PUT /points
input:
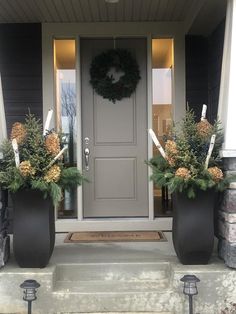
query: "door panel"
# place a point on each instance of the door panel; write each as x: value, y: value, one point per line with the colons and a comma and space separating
x: 109, y: 117
x: 117, y: 135
x: 123, y: 186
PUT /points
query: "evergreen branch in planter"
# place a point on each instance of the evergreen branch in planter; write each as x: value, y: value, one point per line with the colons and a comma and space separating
x: 192, y: 160
x: 41, y: 164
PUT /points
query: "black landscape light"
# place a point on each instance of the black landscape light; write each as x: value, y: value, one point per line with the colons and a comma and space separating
x: 30, y: 287
x: 190, y: 288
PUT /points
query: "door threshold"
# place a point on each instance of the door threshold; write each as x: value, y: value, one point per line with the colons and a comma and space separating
x: 66, y: 225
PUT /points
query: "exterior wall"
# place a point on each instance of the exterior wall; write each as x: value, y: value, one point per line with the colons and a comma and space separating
x: 196, y: 73
x: 203, y: 71
x: 215, y: 54
x: 21, y: 70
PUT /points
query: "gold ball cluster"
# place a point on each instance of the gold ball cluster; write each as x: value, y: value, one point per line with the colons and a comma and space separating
x: 52, y: 144
x: 18, y: 132
x: 53, y: 174
x: 26, y: 169
x: 204, y: 128
x: 183, y: 173
x: 171, y: 147
x: 216, y: 173
x: 171, y: 152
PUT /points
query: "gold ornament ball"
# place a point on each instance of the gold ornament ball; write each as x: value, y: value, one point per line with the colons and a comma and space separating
x: 216, y: 173
x: 52, y: 143
x: 53, y: 174
x: 171, y: 152
x: 183, y: 173
x: 204, y: 128
x: 18, y: 132
x: 171, y: 147
x: 26, y: 169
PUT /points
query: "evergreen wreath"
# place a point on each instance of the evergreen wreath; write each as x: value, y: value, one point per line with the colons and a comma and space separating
x: 104, y: 84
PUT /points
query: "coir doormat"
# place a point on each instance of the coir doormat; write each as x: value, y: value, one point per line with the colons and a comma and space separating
x: 115, y: 236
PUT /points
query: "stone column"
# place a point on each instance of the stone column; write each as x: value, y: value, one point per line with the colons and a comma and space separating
x: 227, y: 114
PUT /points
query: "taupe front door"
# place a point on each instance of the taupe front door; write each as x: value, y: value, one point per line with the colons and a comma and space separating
x: 116, y: 136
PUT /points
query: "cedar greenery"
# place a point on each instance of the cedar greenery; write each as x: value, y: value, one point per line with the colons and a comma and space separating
x: 184, y: 168
x: 35, y: 171
x: 104, y: 84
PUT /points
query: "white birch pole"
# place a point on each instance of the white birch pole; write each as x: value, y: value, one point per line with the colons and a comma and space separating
x: 57, y: 156
x: 16, y: 152
x: 157, y: 143
x: 212, y: 144
x: 204, y: 110
x: 48, y: 121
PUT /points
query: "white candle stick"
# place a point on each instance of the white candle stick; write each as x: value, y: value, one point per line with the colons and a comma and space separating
x: 212, y: 144
x: 57, y: 156
x: 16, y: 152
x: 48, y: 120
x: 157, y: 143
x: 204, y: 110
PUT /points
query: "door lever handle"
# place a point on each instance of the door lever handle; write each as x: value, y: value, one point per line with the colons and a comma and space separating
x: 86, y: 158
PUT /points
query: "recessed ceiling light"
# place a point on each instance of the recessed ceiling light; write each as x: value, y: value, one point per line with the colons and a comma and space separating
x: 112, y: 1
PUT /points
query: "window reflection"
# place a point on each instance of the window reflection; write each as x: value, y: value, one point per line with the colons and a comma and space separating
x: 65, y: 86
x: 162, y: 65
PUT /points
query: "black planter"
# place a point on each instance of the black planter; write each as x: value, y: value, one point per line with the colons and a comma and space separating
x: 33, y: 228
x: 193, y: 227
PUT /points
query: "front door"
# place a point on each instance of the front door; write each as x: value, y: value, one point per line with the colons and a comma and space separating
x: 116, y: 136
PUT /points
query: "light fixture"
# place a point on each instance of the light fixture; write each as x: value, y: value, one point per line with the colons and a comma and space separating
x: 112, y: 1
x: 29, y: 293
x: 190, y: 288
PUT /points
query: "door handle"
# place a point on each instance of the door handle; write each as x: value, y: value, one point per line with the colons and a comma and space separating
x: 86, y: 158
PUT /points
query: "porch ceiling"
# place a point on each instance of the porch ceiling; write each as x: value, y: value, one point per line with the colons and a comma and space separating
x: 52, y: 11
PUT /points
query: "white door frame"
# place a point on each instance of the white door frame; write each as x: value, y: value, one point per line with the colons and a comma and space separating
x: 149, y: 30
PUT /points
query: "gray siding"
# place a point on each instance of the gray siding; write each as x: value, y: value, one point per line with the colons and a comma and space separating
x: 196, y: 73
x: 21, y: 70
x: 203, y: 71
x: 215, y: 53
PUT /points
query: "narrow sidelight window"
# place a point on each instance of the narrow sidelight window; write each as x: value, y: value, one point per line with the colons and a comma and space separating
x: 162, y: 67
x: 65, y: 96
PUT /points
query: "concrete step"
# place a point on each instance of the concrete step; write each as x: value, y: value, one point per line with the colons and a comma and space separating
x: 112, y: 278
x: 114, y: 287
x: 117, y: 313
x: 113, y: 271
x: 110, y: 286
x: 96, y: 288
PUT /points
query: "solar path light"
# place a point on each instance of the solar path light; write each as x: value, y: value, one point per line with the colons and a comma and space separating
x: 29, y: 293
x: 190, y: 288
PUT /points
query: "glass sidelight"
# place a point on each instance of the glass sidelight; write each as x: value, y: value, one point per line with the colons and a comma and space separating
x: 65, y: 92
x: 162, y: 68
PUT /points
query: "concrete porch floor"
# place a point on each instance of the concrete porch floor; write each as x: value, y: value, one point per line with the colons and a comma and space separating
x: 117, y: 277
x: 112, y: 251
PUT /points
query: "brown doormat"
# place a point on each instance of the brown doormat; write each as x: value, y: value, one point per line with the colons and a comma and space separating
x: 115, y: 236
